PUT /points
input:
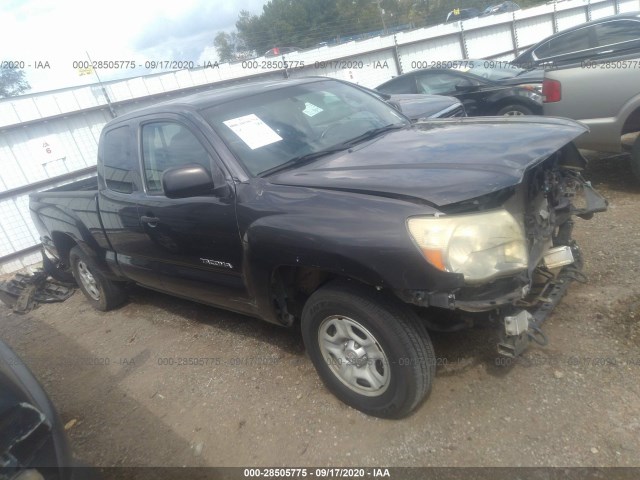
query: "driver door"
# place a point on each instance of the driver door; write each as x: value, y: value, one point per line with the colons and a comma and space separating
x: 192, y: 245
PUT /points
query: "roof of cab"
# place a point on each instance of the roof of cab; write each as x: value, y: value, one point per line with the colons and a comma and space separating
x: 217, y: 96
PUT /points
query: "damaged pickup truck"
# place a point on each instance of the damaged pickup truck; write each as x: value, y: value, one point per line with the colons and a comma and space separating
x: 311, y: 201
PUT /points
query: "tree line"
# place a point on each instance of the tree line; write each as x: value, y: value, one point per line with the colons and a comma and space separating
x: 307, y: 23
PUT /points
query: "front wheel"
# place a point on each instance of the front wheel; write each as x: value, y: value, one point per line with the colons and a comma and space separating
x: 102, y: 293
x: 370, y: 351
x: 514, y: 110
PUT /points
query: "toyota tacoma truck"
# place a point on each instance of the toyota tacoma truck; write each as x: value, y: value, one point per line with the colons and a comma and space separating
x: 313, y: 202
x: 602, y: 93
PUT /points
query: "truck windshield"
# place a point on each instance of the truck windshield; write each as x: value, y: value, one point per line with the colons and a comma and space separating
x: 276, y: 128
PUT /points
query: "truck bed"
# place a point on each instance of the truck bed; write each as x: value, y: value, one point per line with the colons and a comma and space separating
x: 70, y: 209
x: 81, y: 186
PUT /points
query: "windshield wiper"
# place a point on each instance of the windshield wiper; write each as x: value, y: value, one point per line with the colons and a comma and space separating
x: 295, y: 161
x: 374, y: 132
x: 302, y: 159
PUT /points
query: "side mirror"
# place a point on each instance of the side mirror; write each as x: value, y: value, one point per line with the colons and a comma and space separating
x: 187, y: 181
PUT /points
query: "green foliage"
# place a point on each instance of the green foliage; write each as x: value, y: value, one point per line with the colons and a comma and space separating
x: 291, y: 23
x: 305, y: 23
x: 222, y: 42
x: 229, y: 46
x: 12, y: 82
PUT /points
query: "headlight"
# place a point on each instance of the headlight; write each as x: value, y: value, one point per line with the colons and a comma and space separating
x: 480, y: 246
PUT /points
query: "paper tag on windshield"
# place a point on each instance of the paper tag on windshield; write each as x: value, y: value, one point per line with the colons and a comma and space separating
x: 310, y: 109
x: 253, y: 131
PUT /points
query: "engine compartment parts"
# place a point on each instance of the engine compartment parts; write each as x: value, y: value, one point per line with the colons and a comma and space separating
x: 25, y: 291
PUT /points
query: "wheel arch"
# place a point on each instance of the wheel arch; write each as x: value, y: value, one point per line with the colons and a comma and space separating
x: 632, y: 123
x: 290, y: 286
x: 500, y: 104
x: 63, y: 242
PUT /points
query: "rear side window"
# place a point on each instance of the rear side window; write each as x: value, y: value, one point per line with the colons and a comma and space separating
x: 620, y: 31
x: 118, y: 161
x: 166, y: 145
x: 571, y: 42
x: 399, y: 85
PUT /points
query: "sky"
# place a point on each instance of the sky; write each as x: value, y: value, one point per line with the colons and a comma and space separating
x: 63, y: 31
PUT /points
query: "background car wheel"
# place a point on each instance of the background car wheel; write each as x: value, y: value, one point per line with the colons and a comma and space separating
x: 515, y: 109
x: 57, y: 270
x: 371, y: 351
x: 102, y: 293
x: 635, y: 158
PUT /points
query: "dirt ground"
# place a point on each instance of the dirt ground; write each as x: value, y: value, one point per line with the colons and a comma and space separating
x: 259, y: 401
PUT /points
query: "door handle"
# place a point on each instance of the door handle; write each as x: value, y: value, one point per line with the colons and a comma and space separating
x: 151, y: 221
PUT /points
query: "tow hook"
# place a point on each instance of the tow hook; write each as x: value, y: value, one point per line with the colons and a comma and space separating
x: 519, y: 330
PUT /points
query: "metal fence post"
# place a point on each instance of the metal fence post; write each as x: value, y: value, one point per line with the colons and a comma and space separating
x: 588, y: 10
x: 396, y: 55
x: 463, y: 42
x: 514, y: 34
x: 555, y: 16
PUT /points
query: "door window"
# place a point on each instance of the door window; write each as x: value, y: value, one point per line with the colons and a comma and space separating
x: 571, y: 42
x: 166, y: 145
x: 620, y: 31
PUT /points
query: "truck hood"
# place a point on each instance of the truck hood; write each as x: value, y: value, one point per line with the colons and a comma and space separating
x: 440, y: 161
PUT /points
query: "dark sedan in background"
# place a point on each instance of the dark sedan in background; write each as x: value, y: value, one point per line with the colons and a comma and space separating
x: 503, y: 72
x: 480, y: 96
x: 599, y: 38
x: 33, y: 444
x: 503, y: 7
x: 418, y: 107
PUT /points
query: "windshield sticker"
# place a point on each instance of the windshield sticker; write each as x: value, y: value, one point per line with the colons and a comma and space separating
x: 310, y: 109
x: 253, y: 131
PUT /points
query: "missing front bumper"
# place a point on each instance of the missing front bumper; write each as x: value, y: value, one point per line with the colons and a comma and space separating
x: 524, y: 326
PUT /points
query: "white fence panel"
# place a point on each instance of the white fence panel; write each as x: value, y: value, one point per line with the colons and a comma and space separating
x: 532, y: 30
x: 489, y: 41
x: 419, y: 55
x: 628, y: 6
x: 86, y: 97
x: 600, y: 10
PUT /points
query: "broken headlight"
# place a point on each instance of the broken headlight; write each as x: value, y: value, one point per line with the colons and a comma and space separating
x: 480, y: 246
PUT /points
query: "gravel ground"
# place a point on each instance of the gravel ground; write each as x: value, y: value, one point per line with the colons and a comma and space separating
x: 259, y: 401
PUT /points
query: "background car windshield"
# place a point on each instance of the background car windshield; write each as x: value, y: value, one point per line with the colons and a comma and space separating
x: 272, y: 128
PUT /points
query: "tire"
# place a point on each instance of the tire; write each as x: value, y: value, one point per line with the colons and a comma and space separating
x: 514, y: 109
x: 102, y: 293
x: 57, y: 270
x: 635, y: 158
x: 337, y: 317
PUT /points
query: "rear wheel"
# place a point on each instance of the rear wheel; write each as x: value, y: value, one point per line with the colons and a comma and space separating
x: 370, y: 351
x: 102, y: 293
x: 514, y: 110
x: 635, y: 158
